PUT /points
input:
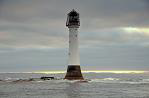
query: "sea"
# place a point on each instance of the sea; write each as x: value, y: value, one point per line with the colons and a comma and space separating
x: 96, y: 85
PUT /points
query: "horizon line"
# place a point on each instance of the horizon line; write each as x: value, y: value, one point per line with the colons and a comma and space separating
x: 85, y: 71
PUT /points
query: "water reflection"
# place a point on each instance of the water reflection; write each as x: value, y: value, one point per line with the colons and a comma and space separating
x: 73, y: 90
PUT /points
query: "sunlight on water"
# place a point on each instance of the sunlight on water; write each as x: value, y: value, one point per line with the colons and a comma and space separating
x: 92, y: 71
x: 112, y: 71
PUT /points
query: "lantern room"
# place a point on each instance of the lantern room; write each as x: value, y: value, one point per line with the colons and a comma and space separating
x: 73, y: 19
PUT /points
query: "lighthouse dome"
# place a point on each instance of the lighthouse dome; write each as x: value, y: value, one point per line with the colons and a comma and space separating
x: 73, y: 13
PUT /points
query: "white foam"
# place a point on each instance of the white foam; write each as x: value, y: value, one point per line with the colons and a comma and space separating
x: 117, y: 80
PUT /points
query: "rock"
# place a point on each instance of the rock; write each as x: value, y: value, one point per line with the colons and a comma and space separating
x: 47, y: 78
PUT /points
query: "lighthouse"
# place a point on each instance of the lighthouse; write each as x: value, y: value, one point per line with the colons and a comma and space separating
x: 73, y: 70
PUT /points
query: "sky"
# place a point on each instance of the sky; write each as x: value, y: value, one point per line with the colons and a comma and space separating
x: 114, y: 34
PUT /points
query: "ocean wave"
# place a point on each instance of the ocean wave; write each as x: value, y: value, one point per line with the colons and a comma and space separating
x: 97, y: 80
x: 119, y: 80
x: 145, y: 80
x: 105, y: 80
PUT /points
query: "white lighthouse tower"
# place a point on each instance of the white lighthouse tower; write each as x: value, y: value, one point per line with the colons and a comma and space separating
x: 73, y: 70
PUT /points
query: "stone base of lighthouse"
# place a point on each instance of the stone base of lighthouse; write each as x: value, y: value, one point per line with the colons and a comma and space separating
x: 74, y: 73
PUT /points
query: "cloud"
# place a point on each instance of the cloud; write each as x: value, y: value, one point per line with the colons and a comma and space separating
x: 116, y: 36
x: 30, y: 28
x: 141, y: 31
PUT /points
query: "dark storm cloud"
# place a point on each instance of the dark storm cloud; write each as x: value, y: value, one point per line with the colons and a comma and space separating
x: 47, y: 17
x: 147, y: 3
x: 118, y: 12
